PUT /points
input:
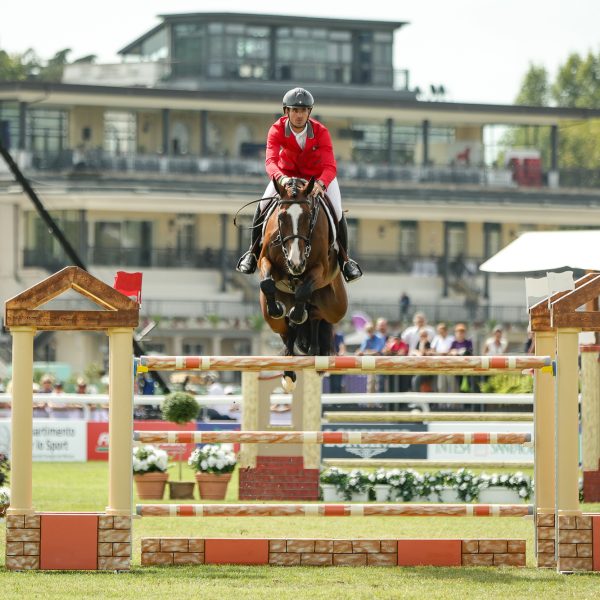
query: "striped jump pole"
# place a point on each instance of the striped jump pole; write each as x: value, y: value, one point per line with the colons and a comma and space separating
x: 408, y: 417
x: 349, y: 364
x: 329, y: 437
x: 334, y: 510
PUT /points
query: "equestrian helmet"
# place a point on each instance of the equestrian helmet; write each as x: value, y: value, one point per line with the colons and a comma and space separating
x: 298, y: 97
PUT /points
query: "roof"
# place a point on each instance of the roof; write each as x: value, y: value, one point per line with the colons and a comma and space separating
x: 263, y: 97
x: 548, y: 251
x: 264, y: 19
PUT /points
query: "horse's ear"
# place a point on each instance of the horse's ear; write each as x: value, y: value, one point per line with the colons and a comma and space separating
x: 280, y: 190
x: 310, y: 186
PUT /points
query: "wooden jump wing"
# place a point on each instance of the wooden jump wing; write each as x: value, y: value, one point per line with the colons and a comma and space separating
x: 564, y: 311
x: 118, y: 310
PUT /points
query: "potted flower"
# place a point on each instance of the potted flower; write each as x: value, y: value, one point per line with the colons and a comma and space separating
x: 357, y: 486
x: 213, y: 464
x: 333, y: 484
x: 150, y: 471
x: 380, y: 483
x: 496, y: 489
x: 181, y: 408
x: 404, y: 484
x: 431, y: 486
x: 4, y: 491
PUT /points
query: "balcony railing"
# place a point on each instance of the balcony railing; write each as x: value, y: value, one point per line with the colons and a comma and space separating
x: 459, y: 174
x: 208, y: 258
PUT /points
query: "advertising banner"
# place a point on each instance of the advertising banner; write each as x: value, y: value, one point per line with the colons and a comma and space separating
x: 383, y: 451
x: 59, y: 440
x: 97, y: 446
x: 481, y: 452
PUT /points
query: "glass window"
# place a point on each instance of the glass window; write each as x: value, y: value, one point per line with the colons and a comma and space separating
x: 120, y: 132
x: 457, y: 239
x: 188, y: 49
x: 408, y: 238
x: 122, y: 242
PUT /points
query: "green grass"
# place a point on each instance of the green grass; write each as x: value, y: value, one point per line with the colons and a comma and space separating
x: 84, y: 487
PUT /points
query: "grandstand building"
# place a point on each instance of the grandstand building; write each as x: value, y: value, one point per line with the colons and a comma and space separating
x: 144, y: 164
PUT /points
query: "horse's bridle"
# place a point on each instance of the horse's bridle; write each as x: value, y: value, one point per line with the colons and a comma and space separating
x: 314, y: 214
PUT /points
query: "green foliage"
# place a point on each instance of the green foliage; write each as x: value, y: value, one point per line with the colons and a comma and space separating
x: 28, y: 66
x: 576, y: 85
x: 508, y: 384
x: 4, y: 469
x: 180, y: 408
x: 535, y: 87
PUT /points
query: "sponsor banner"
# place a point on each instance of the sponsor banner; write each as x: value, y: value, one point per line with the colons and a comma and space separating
x: 382, y: 451
x: 482, y: 452
x: 97, y: 446
x: 59, y: 440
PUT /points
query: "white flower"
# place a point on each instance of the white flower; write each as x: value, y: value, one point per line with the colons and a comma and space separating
x: 204, y: 465
x: 4, y: 495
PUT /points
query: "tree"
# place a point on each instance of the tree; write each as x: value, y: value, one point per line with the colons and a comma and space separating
x: 535, y: 87
x: 577, y: 85
x: 28, y: 66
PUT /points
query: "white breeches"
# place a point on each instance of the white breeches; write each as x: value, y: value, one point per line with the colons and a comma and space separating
x: 333, y: 191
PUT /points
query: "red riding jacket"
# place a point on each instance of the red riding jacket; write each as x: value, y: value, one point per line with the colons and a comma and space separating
x: 286, y: 158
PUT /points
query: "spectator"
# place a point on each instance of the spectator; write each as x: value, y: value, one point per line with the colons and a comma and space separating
x: 422, y: 383
x: 382, y: 328
x: 339, y: 349
x: 41, y: 410
x: 529, y: 346
x: 395, y: 346
x: 462, y: 346
x: 404, y: 306
x: 441, y: 344
x: 411, y: 334
x: 217, y: 412
x: 372, y: 345
x: 496, y: 344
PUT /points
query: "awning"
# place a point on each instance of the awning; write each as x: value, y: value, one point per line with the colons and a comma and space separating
x: 548, y: 251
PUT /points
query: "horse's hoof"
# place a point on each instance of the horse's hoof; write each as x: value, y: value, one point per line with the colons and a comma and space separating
x: 297, y: 320
x: 279, y: 313
x: 288, y: 384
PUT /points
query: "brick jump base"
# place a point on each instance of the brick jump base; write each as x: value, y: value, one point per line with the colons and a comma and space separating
x: 326, y: 553
x: 65, y: 541
x: 578, y: 542
x: 279, y: 478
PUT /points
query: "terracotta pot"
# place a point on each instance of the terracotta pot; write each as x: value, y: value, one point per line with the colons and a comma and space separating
x: 181, y: 490
x: 212, y: 486
x: 151, y: 486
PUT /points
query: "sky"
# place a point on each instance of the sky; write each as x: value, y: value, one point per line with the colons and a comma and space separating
x: 479, y: 50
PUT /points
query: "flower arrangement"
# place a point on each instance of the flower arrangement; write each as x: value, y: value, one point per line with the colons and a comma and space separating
x: 521, y: 484
x: 404, y: 484
x: 346, y: 484
x: 432, y: 484
x: 466, y: 484
x: 4, y: 496
x: 356, y: 483
x: 149, y: 459
x: 213, y: 458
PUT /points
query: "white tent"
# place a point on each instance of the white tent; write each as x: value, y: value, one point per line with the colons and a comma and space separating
x: 548, y: 251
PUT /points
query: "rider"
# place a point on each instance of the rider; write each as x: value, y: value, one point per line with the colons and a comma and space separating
x: 307, y: 153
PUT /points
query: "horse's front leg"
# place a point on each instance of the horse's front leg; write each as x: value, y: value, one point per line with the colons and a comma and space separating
x: 315, y: 348
x: 275, y: 308
x: 299, y: 313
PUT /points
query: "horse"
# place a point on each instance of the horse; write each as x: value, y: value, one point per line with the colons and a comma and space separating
x: 302, y: 292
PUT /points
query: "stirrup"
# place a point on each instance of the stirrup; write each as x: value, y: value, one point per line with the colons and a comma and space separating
x: 351, y: 271
x: 247, y: 263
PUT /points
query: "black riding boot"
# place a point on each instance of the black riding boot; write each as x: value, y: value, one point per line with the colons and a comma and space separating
x: 350, y: 269
x: 247, y: 264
